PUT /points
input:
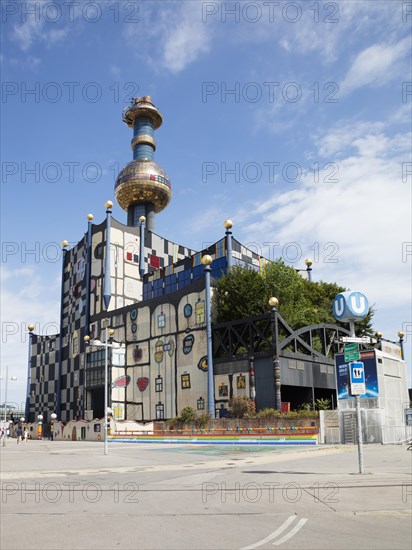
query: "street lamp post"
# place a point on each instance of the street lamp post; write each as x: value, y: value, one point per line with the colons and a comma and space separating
x: 206, y: 261
x: 106, y: 346
x: 273, y: 302
x: 308, y: 263
x: 228, y: 224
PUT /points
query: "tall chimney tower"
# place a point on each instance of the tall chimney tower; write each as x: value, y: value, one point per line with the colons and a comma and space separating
x: 142, y: 187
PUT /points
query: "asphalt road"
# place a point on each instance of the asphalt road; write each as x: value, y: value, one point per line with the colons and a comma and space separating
x: 64, y: 495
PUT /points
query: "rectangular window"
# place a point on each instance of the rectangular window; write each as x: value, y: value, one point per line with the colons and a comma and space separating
x: 185, y: 381
x: 160, y: 411
x: 159, y: 384
x: 117, y: 320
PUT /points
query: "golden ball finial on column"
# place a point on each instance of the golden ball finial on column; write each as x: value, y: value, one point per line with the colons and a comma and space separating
x: 90, y: 217
x: 273, y: 302
x: 65, y: 244
x: 108, y: 205
x: 228, y: 224
x: 30, y: 327
x: 308, y: 262
x: 142, y: 219
x: 206, y: 259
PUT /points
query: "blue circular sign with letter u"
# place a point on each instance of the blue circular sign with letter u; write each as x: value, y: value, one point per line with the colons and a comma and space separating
x: 350, y: 306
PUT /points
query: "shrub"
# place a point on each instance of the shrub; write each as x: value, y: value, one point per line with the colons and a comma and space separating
x: 173, y: 423
x: 293, y: 414
x: 268, y: 414
x: 323, y: 404
x: 187, y: 415
x: 242, y: 407
x: 203, y: 419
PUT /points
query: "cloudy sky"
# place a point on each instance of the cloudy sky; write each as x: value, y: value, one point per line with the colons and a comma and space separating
x: 291, y: 118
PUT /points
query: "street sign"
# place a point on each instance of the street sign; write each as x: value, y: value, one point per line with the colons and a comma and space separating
x: 358, y: 340
x: 351, y: 352
x: 357, y: 378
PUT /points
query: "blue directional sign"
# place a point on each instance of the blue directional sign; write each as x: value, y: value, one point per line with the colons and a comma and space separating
x: 357, y: 372
x: 357, y: 378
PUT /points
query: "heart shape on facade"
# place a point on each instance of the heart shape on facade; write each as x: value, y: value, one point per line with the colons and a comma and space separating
x: 142, y: 383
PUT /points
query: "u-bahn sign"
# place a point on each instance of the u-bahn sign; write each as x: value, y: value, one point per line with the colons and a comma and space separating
x: 350, y: 306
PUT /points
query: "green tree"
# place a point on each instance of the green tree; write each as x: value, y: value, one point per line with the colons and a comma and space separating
x: 239, y: 294
x: 244, y: 292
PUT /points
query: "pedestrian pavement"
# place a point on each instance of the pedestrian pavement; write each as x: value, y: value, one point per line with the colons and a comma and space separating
x: 155, y: 496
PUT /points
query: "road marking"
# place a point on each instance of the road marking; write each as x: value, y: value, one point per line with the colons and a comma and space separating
x: 272, y: 536
x: 291, y: 533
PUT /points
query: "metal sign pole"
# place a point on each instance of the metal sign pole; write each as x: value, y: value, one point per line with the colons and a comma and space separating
x: 358, y: 418
x: 359, y: 430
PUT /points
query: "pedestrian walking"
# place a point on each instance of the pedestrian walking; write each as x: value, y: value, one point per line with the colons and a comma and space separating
x: 25, y: 434
x: 19, y: 434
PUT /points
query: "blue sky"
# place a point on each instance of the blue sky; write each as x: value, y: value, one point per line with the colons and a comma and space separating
x: 291, y: 118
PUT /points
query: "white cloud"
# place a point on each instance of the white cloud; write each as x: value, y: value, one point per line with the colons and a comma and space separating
x: 174, y: 35
x: 35, y: 28
x: 377, y: 65
x: 187, y: 40
x: 27, y: 32
x: 337, y: 141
